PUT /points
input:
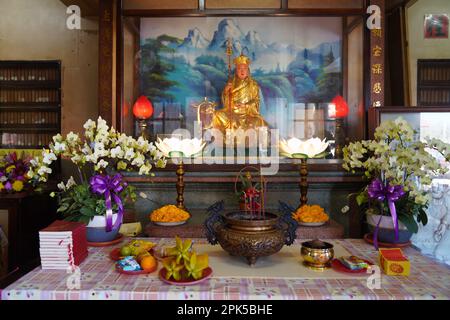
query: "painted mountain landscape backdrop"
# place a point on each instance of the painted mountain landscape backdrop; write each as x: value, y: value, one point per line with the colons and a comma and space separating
x: 184, y: 62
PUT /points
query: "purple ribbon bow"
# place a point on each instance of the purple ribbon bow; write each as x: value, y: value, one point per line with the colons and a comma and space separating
x: 377, y: 190
x: 110, y: 187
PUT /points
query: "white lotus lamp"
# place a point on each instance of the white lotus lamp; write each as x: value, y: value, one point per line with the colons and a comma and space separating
x: 176, y: 147
x: 313, y: 148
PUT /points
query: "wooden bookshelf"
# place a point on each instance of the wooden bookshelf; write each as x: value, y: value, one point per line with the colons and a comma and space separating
x: 433, y: 82
x: 30, y: 103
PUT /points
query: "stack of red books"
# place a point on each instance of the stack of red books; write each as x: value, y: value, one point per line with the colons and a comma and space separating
x: 63, y: 245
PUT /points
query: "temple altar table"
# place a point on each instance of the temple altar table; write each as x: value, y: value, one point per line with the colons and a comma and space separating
x: 99, y: 280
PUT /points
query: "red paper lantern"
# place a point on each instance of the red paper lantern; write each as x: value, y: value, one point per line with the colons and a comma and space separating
x: 341, y: 108
x: 143, y: 108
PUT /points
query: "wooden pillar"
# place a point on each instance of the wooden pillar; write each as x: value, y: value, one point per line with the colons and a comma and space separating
x: 119, y: 66
x: 377, y: 53
x: 105, y: 60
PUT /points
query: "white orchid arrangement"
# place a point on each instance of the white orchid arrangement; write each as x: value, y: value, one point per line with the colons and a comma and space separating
x: 102, y: 149
x: 395, y: 157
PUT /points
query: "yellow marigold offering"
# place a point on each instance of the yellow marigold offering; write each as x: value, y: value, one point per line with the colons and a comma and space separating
x: 169, y: 213
x: 310, y: 214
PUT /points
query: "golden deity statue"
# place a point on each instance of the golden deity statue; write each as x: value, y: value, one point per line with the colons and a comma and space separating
x: 240, y: 100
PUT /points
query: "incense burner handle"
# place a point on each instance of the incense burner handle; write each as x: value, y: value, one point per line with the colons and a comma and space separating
x: 213, y: 219
x: 286, y: 218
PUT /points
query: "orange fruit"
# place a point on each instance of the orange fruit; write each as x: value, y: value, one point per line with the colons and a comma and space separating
x: 148, y: 262
x: 142, y: 255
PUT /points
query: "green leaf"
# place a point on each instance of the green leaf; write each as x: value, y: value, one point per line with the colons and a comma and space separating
x: 85, y: 219
x: 422, y: 217
x: 409, y: 221
x: 62, y: 208
x: 87, y: 211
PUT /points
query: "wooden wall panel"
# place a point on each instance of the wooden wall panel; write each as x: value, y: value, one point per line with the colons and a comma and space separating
x: 325, y: 4
x: 158, y: 4
x: 242, y: 4
x: 105, y: 59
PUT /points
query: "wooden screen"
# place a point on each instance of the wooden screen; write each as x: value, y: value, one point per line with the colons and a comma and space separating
x: 30, y: 103
x: 433, y: 83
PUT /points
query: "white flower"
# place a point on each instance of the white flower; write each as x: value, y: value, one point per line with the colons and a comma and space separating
x: 143, y: 144
x: 102, y: 125
x: 60, y: 146
x: 70, y: 183
x: 102, y: 164
x: 145, y: 169
x: 102, y: 137
x: 345, y: 209
x: 310, y: 148
x: 44, y: 170
x: 77, y: 159
x: 57, y: 138
x: 129, y: 154
x: 91, y: 158
x: 122, y: 139
x: 173, y: 146
x: 99, y: 150
x: 34, y: 162
x: 89, y: 125
x: 61, y: 186
x: 72, y: 137
x: 151, y: 148
x: 117, y: 152
x: 138, y: 160
x: 86, y: 149
x: 49, y: 157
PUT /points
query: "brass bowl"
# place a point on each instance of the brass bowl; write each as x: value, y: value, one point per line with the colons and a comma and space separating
x: 317, y: 254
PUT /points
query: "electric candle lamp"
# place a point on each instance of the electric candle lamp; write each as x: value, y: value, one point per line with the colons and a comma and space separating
x: 142, y: 110
x: 338, y: 110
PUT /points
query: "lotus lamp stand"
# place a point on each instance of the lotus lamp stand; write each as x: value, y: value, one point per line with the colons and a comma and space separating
x: 303, y: 182
x: 180, y: 185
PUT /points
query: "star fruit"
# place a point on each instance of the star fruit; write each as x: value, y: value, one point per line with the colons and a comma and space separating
x: 196, y: 264
x: 172, y: 268
x: 181, y: 250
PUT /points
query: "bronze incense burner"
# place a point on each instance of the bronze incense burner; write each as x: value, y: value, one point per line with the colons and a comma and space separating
x: 249, y: 236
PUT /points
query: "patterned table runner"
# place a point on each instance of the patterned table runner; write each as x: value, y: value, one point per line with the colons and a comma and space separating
x: 285, y: 264
x: 98, y: 280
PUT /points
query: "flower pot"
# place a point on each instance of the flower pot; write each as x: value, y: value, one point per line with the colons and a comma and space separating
x: 96, y: 230
x: 386, y: 231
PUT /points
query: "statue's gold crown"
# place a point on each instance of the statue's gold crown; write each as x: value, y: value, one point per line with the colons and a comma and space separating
x: 242, y: 60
